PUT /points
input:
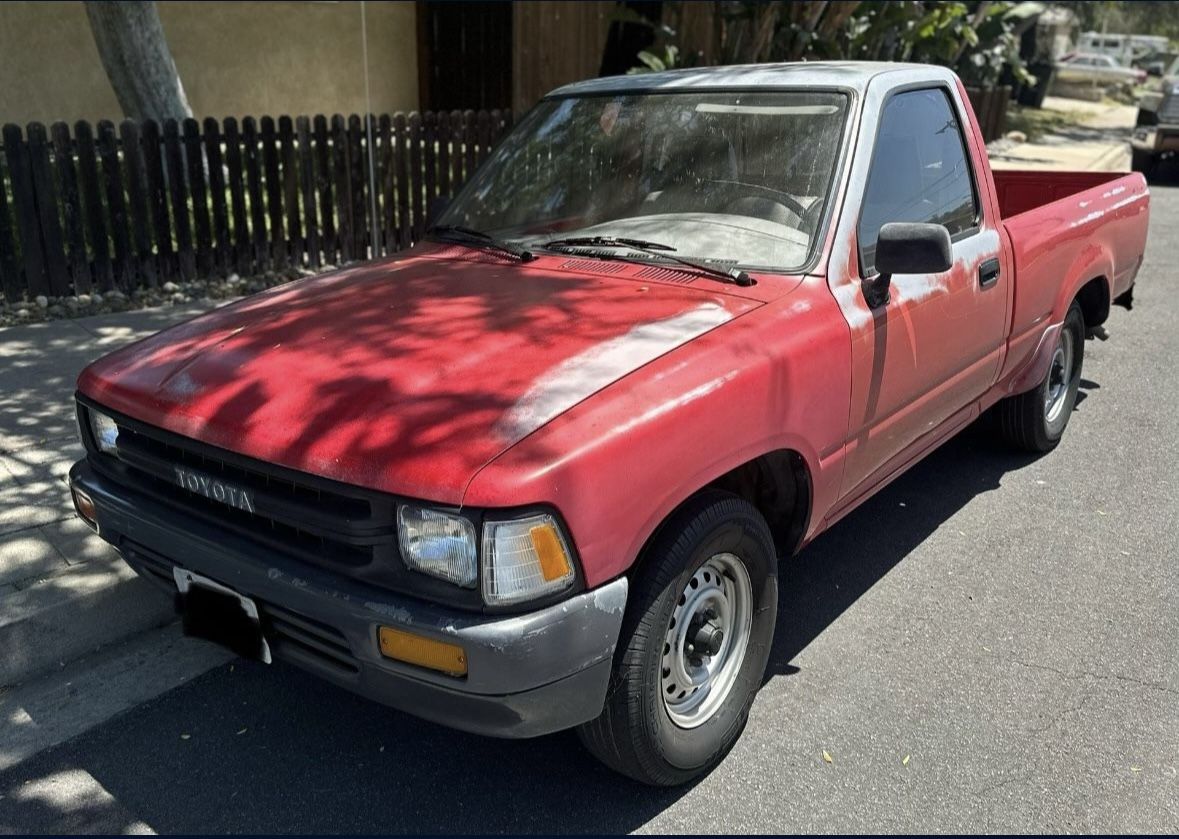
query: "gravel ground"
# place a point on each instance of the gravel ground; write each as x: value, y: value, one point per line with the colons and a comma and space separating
x: 42, y: 308
x: 990, y: 644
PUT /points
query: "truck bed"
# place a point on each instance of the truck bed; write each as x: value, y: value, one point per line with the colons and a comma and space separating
x: 1020, y: 190
x: 1068, y: 228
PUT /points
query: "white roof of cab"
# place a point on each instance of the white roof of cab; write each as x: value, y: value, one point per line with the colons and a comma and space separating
x: 847, y: 74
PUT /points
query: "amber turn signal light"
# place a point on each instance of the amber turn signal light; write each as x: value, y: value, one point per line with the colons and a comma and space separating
x: 414, y: 649
x: 84, y: 504
x: 550, y: 553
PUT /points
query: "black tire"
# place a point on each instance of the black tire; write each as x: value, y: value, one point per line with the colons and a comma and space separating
x: 635, y: 734
x: 1025, y: 420
x: 1142, y: 161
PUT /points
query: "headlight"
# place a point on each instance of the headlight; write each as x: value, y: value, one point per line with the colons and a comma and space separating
x: 436, y: 543
x: 105, y: 431
x: 524, y: 559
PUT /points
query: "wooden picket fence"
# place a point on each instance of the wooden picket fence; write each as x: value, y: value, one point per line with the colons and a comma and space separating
x: 105, y: 208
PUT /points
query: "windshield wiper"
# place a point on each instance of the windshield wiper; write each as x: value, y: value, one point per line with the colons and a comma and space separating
x: 456, y: 232
x: 731, y: 275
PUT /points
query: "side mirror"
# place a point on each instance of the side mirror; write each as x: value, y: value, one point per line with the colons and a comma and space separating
x: 907, y: 248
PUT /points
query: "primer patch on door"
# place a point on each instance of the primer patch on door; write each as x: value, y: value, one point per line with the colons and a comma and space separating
x: 584, y: 374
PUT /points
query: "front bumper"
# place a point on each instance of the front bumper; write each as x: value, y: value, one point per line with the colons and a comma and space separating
x: 527, y: 675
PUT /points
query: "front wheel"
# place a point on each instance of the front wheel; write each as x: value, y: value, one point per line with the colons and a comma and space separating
x: 694, y: 644
x: 1035, y: 421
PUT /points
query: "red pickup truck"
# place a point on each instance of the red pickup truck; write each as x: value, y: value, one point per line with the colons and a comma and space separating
x: 538, y: 471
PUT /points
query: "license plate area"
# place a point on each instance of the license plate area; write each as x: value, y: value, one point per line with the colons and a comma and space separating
x: 217, y: 613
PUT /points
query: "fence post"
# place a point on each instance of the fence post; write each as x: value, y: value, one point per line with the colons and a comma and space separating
x: 430, y: 150
x: 157, y: 199
x: 356, y: 179
x: 100, y: 268
x: 194, y: 158
x: 178, y: 190
x: 222, y: 258
x: 343, y: 189
x: 116, y: 204
x: 306, y: 179
x: 401, y: 169
x: 237, y: 197
x: 10, y: 279
x: 71, y: 207
x: 290, y: 185
x: 323, y: 181
x: 254, y: 180
x: 387, y: 183
x: 137, y: 199
x: 443, y: 165
x: 278, y: 248
x: 48, y: 217
x: 25, y: 205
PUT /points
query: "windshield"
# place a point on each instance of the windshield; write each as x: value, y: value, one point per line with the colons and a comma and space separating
x: 738, y: 178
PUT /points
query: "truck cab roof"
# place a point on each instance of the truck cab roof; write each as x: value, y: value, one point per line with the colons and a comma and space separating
x: 854, y: 75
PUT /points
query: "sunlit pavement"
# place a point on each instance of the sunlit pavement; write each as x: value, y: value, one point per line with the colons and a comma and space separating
x: 991, y: 644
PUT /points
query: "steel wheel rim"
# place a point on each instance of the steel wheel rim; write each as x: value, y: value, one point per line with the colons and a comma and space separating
x: 1059, y: 378
x: 693, y: 684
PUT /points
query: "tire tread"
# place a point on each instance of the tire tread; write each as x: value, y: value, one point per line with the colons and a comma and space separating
x: 612, y: 736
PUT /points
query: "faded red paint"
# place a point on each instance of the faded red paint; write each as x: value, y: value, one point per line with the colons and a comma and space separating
x: 422, y: 375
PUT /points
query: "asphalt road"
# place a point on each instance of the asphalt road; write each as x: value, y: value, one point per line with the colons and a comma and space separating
x: 991, y: 644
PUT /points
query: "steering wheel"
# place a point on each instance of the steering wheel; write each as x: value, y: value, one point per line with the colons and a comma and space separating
x: 786, y: 198
x: 810, y: 219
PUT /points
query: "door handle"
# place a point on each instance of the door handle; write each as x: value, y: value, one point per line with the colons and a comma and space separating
x: 988, y: 273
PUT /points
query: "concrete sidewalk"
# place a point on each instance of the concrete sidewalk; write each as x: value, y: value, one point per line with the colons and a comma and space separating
x: 1098, y: 142
x: 63, y: 591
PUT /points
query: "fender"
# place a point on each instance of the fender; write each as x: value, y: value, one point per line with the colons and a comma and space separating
x: 1094, y: 262
x: 693, y: 483
x: 1036, y: 368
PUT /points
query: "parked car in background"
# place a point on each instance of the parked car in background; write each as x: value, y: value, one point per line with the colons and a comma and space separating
x: 538, y: 471
x: 1156, y: 63
x: 1124, y: 49
x: 1102, y: 70
x: 1157, y: 132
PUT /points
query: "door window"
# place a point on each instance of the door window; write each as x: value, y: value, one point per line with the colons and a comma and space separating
x: 919, y: 171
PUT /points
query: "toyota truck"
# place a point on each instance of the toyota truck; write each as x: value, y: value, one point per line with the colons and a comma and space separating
x: 538, y: 471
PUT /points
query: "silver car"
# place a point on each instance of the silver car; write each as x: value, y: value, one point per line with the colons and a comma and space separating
x: 1096, y: 69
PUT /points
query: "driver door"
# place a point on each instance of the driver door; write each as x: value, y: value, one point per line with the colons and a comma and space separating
x: 935, y: 347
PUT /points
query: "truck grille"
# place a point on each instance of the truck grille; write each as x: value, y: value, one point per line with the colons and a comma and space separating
x: 312, y: 519
x: 291, y: 515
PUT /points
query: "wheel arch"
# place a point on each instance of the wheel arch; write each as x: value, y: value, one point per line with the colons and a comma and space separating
x: 1094, y: 299
x: 777, y: 482
x: 1089, y: 282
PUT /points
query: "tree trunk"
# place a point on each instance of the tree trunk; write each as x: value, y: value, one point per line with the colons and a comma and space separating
x: 138, y: 62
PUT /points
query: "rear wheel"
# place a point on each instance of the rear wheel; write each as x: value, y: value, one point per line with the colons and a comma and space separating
x: 694, y: 644
x: 1035, y: 421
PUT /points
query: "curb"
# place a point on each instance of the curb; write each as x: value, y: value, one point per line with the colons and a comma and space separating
x: 62, y: 617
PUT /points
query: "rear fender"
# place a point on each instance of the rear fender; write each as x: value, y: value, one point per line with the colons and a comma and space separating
x: 1094, y: 262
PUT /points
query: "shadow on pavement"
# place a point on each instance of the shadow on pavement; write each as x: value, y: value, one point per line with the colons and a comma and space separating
x: 247, y: 748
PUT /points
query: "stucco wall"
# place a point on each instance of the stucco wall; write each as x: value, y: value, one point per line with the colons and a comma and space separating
x: 234, y: 58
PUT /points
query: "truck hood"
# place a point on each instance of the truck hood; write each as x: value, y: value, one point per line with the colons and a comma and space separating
x: 405, y: 376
